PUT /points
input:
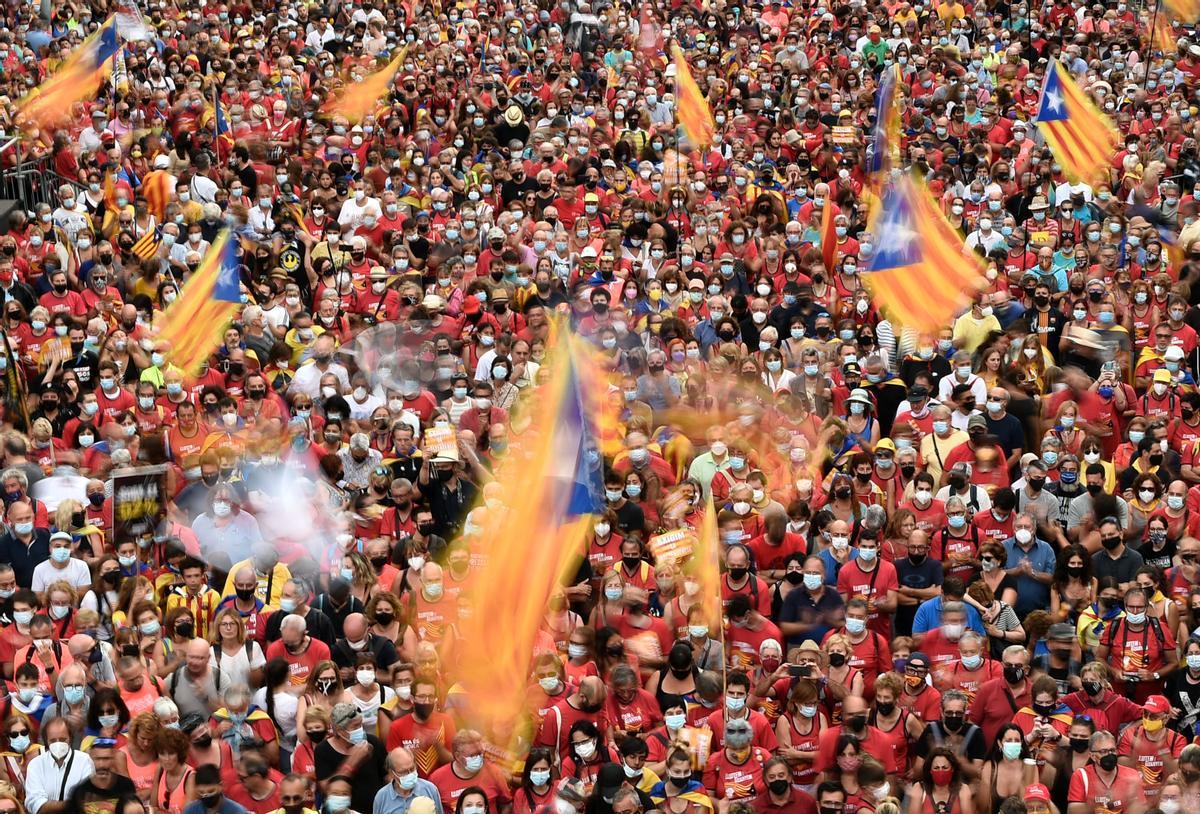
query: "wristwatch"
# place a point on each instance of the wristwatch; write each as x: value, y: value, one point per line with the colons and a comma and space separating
x: 1157, y: 677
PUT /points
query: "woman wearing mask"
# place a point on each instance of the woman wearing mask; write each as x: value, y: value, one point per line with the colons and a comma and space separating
x: 1058, y: 771
x: 1073, y: 587
x: 324, y: 690
x: 798, y: 732
x: 588, y: 752
x: 609, y: 608
x: 1150, y: 579
x: 678, y: 677
x: 992, y: 558
x: 386, y: 615
x: 20, y: 748
x: 942, y: 788
x: 536, y: 789
x: 1183, y: 688
x: 1147, y: 501
x: 311, y: 729
x: 240, y: 657
x: 370, y: 695
x: 898, y: 724
x: 1005, y: 772
x: 842, y: 679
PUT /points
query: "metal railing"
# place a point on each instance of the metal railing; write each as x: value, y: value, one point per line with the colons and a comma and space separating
x: 33, y: 181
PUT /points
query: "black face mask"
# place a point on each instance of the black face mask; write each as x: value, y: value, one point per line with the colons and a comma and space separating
x: 212, y: 801
x: 957, y: 482
x: 863, y: 477
x: 203, y: 742
x: 631, y: 563
x: 737, y: 574
x: 1036, y: 483
x: 918, y: 559
x: 1043, y: 709
x: 111, y: 577
x: 1110, y: 543
x: 837, y: 659
x: 245, y: 594
x: 953, y: 723
x: 185, y: 629
x: 908, y: 470
x: 1095, y: 488
x: 842, y: 493
x: 779, y: 787
x: 425, y: 529
x: 1108, y: 762
x: 1014, y: 674
x: 422, y: 710
x: 857, y: 723
x: 794, y: 577
x: 1080, y: 745
x: 316, y: 736
x: 885, y: 707
x: 1092, y: 687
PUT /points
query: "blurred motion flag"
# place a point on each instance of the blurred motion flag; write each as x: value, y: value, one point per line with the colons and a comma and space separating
x: 1083, y: 139
x: 885, y: 140
x: 705, y: 567
x: 691, y: 107
x: 79, y: 78
x: 828, y: 236
x: 359, y: 99
x: 921, y: 275
x: 196, y: 321
x: 1186, y: 11
x: 1163, y: 38
x: 222, y: 121
x: 551, y: 484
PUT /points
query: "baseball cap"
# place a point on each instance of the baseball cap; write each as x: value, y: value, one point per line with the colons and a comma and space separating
x: 1037, y: 792
x: 1157, y: 705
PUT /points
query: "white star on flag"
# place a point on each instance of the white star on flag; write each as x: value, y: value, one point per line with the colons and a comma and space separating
x: 1054, y: 101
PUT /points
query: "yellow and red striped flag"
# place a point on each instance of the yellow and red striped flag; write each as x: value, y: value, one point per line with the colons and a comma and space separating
x: 147, y: 245
x: 1082, y: 138
x: 828, y: 236
x: 921, y: 274
x: 79, y: 77
x: 1163, y: 37
x: 358, y: 100
x: 695, y: 117
x: 196, y: 322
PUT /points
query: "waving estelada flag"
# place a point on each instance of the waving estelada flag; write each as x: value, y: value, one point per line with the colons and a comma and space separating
x: 1083, y: 139
x: 695, y: 116
x: 80, y: 76
x: 921, y: 275
x: 358, y: 100
x: 885, y: 140
x: 196, y: 321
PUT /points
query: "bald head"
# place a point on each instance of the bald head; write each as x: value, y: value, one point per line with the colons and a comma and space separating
x: 355, y: 627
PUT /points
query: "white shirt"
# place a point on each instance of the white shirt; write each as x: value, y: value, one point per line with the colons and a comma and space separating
x: 44, y: 778
x: 204, y: 190
x: 76, y: 573
x: 352, y: 212
x: 308, y: 378
x: 261, y: 222
x: 947, y: 384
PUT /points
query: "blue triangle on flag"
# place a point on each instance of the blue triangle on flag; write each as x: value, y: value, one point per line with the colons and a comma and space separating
x: 897, y: 240
x: 1053, y: 105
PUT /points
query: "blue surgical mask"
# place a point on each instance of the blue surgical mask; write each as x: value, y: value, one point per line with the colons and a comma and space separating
x: 73, y: 695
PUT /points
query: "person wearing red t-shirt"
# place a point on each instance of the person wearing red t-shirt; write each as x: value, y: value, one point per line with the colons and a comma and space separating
x: 60, y: 299
x: 781, y: 797
x: 631, y: 711
x: 738, y: 581
x: 772, y: 548
x: 1104, y: 784
x: 928, y: 512
x: 999, y: 699
x: 301, y: 651
x: 870, y: 652
x: 426, y: 733
x: 919, y: 696
x: 996, y: 523
x: 736, y: 707
x: 748, y: 629
x: 1138, y: 649
x: 1151, y: 747
x: 969, y: 670
x: 585, y: 704
x: 469, y: 768
x: 735, y: 773
x: 646, y: 636
x: 113, y: 398
x: 432, y: 611
x: 874, y: 581
x: 871, y: 741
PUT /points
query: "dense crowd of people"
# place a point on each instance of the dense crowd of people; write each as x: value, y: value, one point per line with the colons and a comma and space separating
x: 958, y: 563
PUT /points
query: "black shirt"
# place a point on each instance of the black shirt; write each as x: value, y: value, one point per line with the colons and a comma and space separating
x: 368, y: 778
x: 449, y: 506
x: 1008, y: 431
x: 87, y: 368
x: 25, y: 558
x: 346, y: 656
x: 88, y: 798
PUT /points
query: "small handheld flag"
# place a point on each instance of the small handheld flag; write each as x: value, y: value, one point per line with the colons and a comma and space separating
x: 1083, y: 139
x: 921, y: 275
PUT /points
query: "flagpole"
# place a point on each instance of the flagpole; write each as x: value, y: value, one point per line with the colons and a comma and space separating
x: 1153, y: 24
